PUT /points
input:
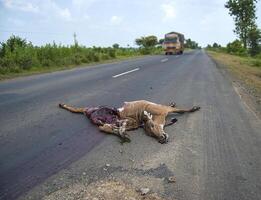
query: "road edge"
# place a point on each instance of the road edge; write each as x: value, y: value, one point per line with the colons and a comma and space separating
x: 240, y: 88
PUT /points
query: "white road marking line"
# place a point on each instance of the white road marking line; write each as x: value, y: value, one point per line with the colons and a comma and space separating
x: 164, y: 60
x: 136, y: 69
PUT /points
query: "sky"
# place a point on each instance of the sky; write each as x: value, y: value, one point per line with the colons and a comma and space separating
x: 105, y: 22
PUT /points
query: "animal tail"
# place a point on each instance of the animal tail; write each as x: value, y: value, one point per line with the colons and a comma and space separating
x: 72, y: 109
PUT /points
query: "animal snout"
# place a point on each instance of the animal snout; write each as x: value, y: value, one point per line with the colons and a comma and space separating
x: 164, y: 138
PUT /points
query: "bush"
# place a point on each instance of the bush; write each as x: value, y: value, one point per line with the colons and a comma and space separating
x: 78, y: 58
x: 145, y: 51
x: 105, y: 57
x: 258, y: 56
x: 236, y: 47
x: 26, y: 58
x: 256, y: 63
x: 96, y: 57
x: 47, y: 63
x: 112, y: 53
x: 16, y: 55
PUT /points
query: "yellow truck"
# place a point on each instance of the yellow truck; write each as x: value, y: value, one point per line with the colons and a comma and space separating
x: 173, y: 43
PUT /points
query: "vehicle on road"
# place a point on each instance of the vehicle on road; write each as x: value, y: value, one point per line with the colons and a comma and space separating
x: 173, y: 43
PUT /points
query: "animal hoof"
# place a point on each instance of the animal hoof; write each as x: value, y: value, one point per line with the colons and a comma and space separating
x: 61, y: 105
x: 125, y: 138
x: 172, y: 104
x: 174, y: 120
x: 195, y: 108
x: 162, y: 141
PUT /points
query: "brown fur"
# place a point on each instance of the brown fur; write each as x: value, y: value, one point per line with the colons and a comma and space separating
x: 137, y: 113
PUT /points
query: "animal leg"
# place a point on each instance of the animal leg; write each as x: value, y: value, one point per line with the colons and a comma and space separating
x: 181, y: 111
x: 72, y: 109
x: 132, y: 124
x: 119, y: 131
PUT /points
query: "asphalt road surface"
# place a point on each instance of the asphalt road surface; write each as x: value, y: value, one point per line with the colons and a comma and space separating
x: 214, y: 153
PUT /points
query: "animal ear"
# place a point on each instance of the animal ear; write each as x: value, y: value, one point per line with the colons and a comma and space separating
x: 147, y: 115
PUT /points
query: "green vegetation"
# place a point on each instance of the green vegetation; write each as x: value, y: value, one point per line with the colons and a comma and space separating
x: 149, y: 45
x: 242, y: 57
x: 254, y: 40
x: 249, y: 42
x: 18, y: 56
x: 246, y: 69
x: 236, y: 49
x: 190, y: 44
x: 147, y: 42
x: 244, y: 14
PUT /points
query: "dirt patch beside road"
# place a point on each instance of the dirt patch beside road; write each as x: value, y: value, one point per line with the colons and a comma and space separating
x: 245, y: 74
x: 101, y: 190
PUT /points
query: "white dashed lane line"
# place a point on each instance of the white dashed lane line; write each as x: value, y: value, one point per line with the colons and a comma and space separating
x: 121, y: 74
x: 164, y: 60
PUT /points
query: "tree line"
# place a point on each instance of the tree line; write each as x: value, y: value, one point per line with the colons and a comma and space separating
x: 18, y: 54
x: 249, y: 34
x: 152, y: 41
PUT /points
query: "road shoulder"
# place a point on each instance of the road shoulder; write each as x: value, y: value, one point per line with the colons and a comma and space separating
x: 246, y: 90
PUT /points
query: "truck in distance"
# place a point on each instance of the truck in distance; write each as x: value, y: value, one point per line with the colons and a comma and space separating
x: 173, y: 43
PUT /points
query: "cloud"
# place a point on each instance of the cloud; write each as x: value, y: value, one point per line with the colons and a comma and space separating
x: 86, y: 17
x: 21, y: 5
x: 47, y: 8
x: 78, y: 2
x: 65, y: 14
x: 16, y: 22
x: 50, y: 9
x: 83, y: 4
x: 169, y: 11
x: 116, y: 20
x: 215, y: 19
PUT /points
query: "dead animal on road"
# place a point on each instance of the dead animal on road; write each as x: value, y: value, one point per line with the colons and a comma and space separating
x: 134, y: 114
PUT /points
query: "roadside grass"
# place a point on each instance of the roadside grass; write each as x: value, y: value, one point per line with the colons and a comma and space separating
x: 245, y: 69
x: 42, y: 70
x: 53, y: 68
x: 19, y: 57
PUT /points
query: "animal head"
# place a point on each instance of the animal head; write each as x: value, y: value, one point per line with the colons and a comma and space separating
x: 154, y: 129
